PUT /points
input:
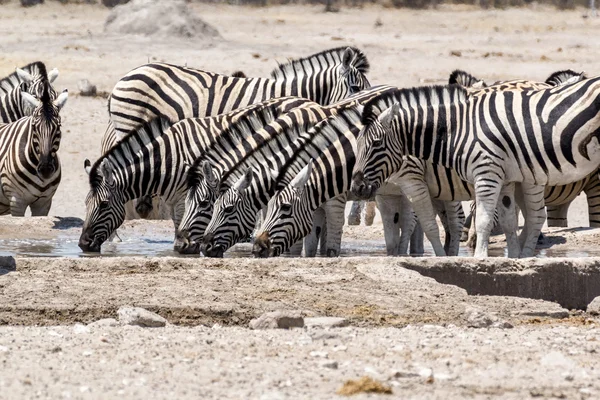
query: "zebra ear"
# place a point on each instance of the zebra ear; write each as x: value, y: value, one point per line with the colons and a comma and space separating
x: 303, y: 176
x: 24, y: 75
x: 107, y: 172
x: 209, y: 175
x: 347, y: 57
x: 478, y: 85
x: 386, y: 117
x: 61, y: 100
x: 244, y: 182
x: 52, y: 75
x: 29, y: 99
x: 87, y: 166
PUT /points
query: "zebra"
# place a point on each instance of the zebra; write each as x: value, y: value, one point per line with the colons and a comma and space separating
x: 479, y: 137
x: 176, y: 92
x: 31, y: 79
x: 155, y: 159
x: 29, y: 166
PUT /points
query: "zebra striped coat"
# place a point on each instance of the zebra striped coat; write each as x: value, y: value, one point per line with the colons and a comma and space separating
x: 155, y: 159
x: 536, y: 138
x: 176, y: 92
x: 29, y: 165
x: 32, y: 79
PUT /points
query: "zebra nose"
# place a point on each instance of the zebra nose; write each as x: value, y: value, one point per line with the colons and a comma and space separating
x: 358, y: 187
x: 86, y: 242
x: 45, y: 170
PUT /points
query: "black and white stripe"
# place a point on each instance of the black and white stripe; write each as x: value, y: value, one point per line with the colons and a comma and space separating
x: 155, y: 159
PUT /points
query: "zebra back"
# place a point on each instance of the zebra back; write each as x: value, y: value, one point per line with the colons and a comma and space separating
x: 176, y: 92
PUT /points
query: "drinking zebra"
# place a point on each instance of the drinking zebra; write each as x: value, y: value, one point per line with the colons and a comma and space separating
x: 534, y: 138
x: 155, y: 159
x: 176, y: 92
x: 29, y: 165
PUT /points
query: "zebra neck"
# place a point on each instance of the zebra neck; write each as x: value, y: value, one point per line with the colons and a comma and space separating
x: 302, y: 85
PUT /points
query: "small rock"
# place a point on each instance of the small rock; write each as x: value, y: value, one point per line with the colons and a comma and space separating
x: 594, y: 307
x: 86, y: 88
x: 3, y: 349
x: 79, y: 328
x: 140, y: 317
x: 478, y: 319
x: 329, y: 364
x: 404, y: 374
x: 322, y: 354
x: 502, y: 325
x: 323, y: 335
x: 103, y: 323
x: 278, y: 320
x: 29, y: 3
x: 325, y: 322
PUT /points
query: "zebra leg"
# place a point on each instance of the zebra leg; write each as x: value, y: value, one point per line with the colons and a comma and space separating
x: 417, y: 247
x: 130, y: 212
x: 355, y: 211
x: 418, y: 193
x: 296, y: 249
x: 592, y: 191
x: 311, y: 241
x: 390, y: 216
x: 535, y: 215
x: 507, y: 218
x: 557, y: 215
x: 41, y: 207
x: 486, y: 195
x: 453, y: 225
x: 334, y: 214
x: 369, y: 212
x: 17, y: 207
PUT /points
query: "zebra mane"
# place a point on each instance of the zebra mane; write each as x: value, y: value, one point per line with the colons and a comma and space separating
x: 129, y: 145
x: 295, y: 67
x: 324, y: 134
x: 460, y: 77
x: 434, y: 95
x: 235, y: 134
x: 12, y: 81
x: 567, y: 76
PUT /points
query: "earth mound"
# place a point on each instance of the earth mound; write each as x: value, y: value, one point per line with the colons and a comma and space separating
x: 170, y: 18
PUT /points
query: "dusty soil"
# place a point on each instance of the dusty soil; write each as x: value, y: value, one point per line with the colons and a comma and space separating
x: 391, y: 309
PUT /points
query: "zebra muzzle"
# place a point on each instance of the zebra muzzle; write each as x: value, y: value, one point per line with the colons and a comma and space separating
x: 88, y: 243
x: 262, y: 245
x: 360, y: 187
x: 209, y: 248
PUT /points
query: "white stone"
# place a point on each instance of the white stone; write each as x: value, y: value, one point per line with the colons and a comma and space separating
x: 278, y: 320
x: 325, y: 322
x: 594, y: 307
x: 140, y: 317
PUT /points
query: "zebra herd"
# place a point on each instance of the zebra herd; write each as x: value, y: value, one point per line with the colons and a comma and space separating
x: 275, y: 159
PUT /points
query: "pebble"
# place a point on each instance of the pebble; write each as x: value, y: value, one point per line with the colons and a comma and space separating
x: 278, y: 320
x: 403, y: 374
x: 325, y: 322
x: 594, y: 307
x: 479, y: 319
x: 103, y: 323
x: 86, y: 88
x: 3, y: 349
x: 322, y: 354
x: 79, y: 329
x: 329, y: 364
x: 140, y: 317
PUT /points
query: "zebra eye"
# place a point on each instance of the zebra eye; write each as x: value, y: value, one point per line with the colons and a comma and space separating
x: 377, y: 143
x: 103, y: 205
x: 204, y: 203
x: 229, y: 209
x: 285, y: 207
x: 354, y: 89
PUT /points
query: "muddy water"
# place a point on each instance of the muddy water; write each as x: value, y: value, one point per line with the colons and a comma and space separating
x: 153, y: 245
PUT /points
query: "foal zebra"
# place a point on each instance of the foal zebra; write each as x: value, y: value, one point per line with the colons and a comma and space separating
x: 176, y: 92
x: 29, y: 166
x: 155, y: 159
x: 534, y: 138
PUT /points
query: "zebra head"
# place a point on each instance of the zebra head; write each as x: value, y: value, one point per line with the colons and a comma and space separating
x: 105, y: 206
x: 288, y: 219
x: 37, y: 83
x: 203, y: 181
x: 234, y: 217
x: 352, y: 79
x: 377, y: 154
x: 45, y: 130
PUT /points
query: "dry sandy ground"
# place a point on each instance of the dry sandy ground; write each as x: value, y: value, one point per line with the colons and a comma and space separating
x: 541, y: 357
